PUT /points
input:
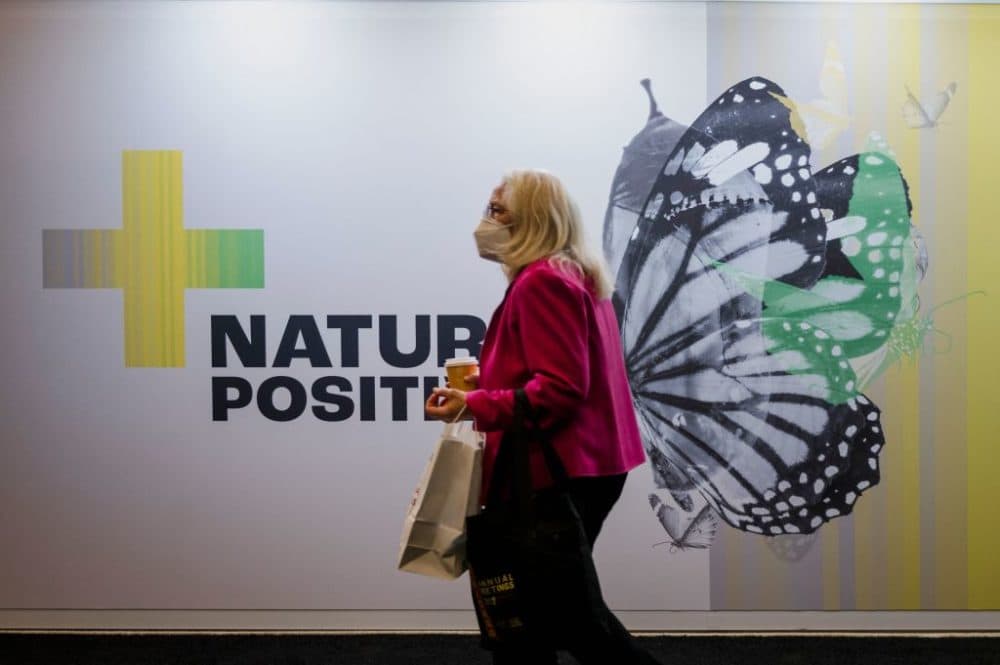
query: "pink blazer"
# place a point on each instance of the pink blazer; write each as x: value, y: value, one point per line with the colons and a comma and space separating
x: 551, y: 337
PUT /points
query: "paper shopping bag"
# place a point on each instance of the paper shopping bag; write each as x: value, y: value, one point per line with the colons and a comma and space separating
x: 433, y: 540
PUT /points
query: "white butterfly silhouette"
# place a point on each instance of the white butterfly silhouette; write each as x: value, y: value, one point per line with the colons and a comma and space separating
x: 920, y: 116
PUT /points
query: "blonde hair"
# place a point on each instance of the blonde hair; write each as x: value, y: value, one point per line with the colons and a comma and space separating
x: 547, y: 223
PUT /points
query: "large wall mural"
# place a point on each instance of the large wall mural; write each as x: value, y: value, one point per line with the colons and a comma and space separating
x: 801, y: 226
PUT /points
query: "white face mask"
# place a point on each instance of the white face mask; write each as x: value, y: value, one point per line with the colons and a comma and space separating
x: 491, y: 238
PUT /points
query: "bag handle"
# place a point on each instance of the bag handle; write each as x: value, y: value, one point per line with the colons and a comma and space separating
x: 514, y: 455
x: 457, y: 425
x: 552, y: 460
x: 457, y: 420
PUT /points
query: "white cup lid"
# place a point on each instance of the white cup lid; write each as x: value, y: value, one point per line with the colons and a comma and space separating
x: 460, y: 362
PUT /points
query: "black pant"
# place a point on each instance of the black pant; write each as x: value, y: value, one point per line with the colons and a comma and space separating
x: 593, y: 499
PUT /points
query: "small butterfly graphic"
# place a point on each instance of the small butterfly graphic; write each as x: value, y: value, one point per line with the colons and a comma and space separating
x: 686, y: 530
x: 921, y: 116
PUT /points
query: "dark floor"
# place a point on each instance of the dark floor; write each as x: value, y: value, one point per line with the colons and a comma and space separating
x: 318, y: 648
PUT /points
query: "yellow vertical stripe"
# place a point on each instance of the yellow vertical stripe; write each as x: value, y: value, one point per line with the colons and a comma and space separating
x: 862, y: 82
x: 178, y: 267
x: 948, y: 253
x: 983, y: 398
x: 901, y: 413
x: 154, y: 286
x: 130, y: 211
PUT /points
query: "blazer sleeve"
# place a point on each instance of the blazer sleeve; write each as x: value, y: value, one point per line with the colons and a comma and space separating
x: 552, y: 319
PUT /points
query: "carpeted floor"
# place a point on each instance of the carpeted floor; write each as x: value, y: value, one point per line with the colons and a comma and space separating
x: 327, y: 649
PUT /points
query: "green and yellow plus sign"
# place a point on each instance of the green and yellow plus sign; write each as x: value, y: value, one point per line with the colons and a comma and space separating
x: 153, y: 258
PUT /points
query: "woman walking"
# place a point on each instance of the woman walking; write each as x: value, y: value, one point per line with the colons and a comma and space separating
x: 554, y: 336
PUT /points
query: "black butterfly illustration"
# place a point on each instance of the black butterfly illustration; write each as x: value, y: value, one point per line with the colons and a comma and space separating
x: 734, y: 271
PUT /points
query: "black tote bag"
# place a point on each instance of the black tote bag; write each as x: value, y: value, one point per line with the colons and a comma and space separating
x: 530, y: 564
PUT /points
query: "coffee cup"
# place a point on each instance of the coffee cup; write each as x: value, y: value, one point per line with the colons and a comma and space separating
x: 459, y: 368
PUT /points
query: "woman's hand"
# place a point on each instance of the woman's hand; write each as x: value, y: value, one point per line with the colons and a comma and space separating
x: 445, y: 403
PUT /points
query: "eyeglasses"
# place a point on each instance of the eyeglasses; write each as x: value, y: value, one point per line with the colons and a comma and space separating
x: 494, y: 210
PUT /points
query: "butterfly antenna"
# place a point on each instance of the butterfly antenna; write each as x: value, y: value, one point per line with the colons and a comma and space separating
x: 654, y: 110
x: 978, y: 292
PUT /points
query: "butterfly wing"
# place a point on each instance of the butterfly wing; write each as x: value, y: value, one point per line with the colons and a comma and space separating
x: 763, y: 429
x: 667, y: 475
x: 867, y: 248
x: 737, y: 189
x: 701, y: 532
x: 914, y: 113
x: 915, y: 262
x: 742, y: 153
x: 872, y: 262
x: 939, y: 102
x: 640, y: 163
